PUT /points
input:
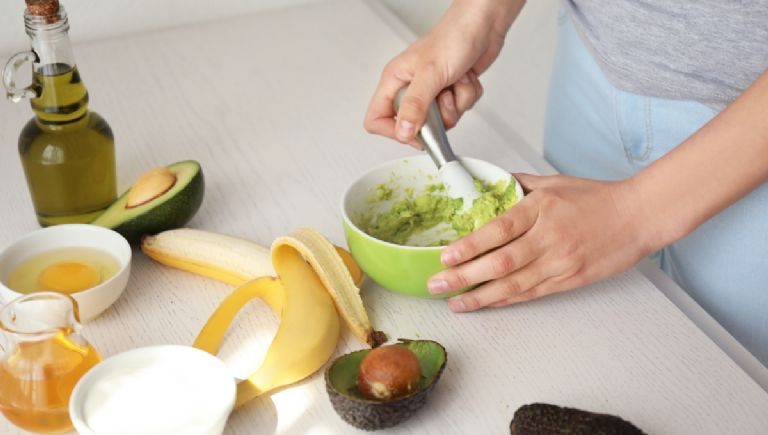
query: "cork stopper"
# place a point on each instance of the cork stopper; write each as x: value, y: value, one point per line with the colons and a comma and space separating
x: 43, y: 8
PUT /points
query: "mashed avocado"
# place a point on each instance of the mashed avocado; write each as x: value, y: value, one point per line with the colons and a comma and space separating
x: 417, y: 213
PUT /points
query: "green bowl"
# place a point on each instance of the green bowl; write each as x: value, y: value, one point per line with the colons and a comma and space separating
x: 399, y: 268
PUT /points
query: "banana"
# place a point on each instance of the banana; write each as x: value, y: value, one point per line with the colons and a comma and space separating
x: 234, y: 261
x: 308, y: 331
x: 224, y: 258
x: 221, y: 257
x: 336, y: 278
x: 316, y: 284
x: 308, y: 267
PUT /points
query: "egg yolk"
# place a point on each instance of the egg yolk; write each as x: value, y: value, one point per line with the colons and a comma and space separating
x: 69, y: 276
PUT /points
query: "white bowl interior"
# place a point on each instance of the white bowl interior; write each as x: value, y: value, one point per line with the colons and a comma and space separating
x: 413, y: 172
x: 182, y: 373
x: 92, y: 301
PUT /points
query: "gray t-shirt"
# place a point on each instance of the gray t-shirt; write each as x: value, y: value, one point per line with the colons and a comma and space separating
x: 702, y: 50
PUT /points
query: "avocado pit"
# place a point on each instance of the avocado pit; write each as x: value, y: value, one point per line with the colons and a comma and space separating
x: 149, y: 186
x: 389, y: 372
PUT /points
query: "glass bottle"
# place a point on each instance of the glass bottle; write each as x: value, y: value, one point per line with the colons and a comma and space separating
x: 67, y: 151
x: 42, y: 356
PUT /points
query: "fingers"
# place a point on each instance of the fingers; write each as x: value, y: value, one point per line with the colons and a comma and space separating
x: 415, y: 103
x: 494, y: 265
x: 427, y: 85
x: 447, y: 105
x: 459, y: 98
x: 467, y: 90
x: 501, y: 230
x: 514, y: 285
x: 380, y: 117
x: 547, y: 287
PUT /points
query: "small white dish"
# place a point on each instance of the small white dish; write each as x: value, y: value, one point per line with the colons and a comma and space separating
x: 91, y: 302
x: 167, y: 389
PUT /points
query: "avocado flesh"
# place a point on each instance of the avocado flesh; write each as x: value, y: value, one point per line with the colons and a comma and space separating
x: 543, y: 418
x: 368, y: 414
x: 172, y: 209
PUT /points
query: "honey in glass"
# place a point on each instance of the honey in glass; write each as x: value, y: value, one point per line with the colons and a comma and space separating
x: 43, y: 358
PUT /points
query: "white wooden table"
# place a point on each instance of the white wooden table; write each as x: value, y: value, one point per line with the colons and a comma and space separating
x: 272, y: 106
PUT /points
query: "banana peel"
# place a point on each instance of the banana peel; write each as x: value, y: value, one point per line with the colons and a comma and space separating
x: 335, y: 274
x: 316, y: 284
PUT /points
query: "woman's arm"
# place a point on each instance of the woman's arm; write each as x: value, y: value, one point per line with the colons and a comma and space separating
x: 569, y: 232
x: 722, y: 162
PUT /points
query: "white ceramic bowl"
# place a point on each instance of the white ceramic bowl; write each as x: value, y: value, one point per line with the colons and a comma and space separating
x: 91, y: 302
x: 167, y: 389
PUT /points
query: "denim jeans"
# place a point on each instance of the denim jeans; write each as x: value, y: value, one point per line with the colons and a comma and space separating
x: 597, y: 131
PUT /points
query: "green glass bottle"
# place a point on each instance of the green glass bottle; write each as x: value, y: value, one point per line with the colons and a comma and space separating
x: 68, y: 151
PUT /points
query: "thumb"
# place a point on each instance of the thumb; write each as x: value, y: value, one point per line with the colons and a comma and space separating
x: 415, y: 104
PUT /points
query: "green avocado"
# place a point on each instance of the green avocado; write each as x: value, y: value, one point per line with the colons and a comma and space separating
x: 160, y: 200
x: 368, y: 414
x: 415, y: 214
x: 544, y: 418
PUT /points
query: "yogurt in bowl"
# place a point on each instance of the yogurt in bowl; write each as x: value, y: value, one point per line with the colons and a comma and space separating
x: 395, y: 257
x: 154, y: 390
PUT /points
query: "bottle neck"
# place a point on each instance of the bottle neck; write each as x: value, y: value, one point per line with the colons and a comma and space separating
x: 61, y: 94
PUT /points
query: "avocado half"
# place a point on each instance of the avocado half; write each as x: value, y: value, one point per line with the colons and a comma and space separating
x: 160, y: 200
x: 367, y: 414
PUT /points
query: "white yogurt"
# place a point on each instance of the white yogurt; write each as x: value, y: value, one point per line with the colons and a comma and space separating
x: 154, y: 390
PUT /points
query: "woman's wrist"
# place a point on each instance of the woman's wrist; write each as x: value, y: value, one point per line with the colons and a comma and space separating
x: 636, y: 209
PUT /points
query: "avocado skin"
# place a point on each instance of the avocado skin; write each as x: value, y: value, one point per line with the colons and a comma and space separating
x: 377, y: 416
x: 166, y: 216
x: 373, y: 415
x: 547, y: 419
x: 172, y: 212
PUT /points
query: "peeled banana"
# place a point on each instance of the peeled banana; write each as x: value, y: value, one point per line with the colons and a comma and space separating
x: 218, y: 256
x: 306, y: 280
x: 221, y: 257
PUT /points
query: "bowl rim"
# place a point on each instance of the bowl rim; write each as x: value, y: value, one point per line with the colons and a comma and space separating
x: 348, y: 220
x: 124, y: 249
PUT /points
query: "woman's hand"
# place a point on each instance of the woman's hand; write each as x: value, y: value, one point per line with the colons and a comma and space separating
x: 567, y: 232
x: 444, y: 64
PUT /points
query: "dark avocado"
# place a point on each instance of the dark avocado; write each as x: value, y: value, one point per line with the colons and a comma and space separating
x: 546, y: 419
x: 179, y: 193
x: 368, y: 414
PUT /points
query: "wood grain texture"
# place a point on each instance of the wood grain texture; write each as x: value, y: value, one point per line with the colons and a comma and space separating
x: 272, y: 106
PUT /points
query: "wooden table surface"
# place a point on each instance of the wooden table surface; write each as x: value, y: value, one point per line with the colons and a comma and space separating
x: 272, y: 106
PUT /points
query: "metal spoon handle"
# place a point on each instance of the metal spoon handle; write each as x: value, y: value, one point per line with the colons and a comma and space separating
x: 432, y: 134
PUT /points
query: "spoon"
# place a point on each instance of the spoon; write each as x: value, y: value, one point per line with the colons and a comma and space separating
x: 432, y: 137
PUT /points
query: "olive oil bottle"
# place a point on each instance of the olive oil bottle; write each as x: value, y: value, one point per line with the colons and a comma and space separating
x: 67, y: 151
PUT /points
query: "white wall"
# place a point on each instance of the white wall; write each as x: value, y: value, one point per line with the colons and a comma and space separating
x: 515, y: 86
x: 419, y: 15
